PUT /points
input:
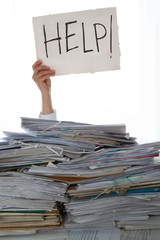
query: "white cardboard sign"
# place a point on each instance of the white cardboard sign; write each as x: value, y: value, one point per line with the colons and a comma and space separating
x: 78, y: 42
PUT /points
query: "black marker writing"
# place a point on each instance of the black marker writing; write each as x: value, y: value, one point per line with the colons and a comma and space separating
x: 96, y: 35
x: 54, y: 39
x: 111, y: 36
x: 99, y: 32
x: 84, y: 44
x: 68, y: 36
x: 44, y: 31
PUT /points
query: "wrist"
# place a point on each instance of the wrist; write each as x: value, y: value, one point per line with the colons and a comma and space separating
x: 47, y: 112
x: 47, y: 109
x: 46, y: 96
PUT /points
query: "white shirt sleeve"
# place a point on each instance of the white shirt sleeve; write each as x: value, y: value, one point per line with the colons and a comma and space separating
x: 51, y: 116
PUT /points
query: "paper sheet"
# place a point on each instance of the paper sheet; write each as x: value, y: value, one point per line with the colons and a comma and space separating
x: 78, y: 42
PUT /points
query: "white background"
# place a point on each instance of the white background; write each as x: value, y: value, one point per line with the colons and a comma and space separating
x: 129, y: 96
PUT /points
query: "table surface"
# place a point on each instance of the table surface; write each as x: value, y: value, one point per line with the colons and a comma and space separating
x: 90, y: 235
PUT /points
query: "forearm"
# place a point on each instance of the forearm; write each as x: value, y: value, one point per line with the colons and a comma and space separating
x: 47, y: 107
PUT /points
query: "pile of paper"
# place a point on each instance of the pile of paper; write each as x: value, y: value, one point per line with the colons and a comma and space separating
x: 116, y: 185
x: 30, y: 201
x: 132, y: 211
x: 96, y: 174
x: 53, y: 141
x: 29, y: 220
x: 75, y: 138
x: 22, y: 154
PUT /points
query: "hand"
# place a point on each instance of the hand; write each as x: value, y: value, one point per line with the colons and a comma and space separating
x: 41, y: 76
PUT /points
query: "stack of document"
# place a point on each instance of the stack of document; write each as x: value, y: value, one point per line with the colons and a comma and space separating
x: 29, y: 220
x: 20, y: 154
x: 109, y: 185
x: 53, y: 141
x: 130, y: 200
x: 108, y: 164
x: 78, y: 136
x: 4, y: 145
x: 132, y: 211
x: 30, y: 201
x: 88, y: 175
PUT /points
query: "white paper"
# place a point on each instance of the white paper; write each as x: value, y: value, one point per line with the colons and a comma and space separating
x: 78, y: 42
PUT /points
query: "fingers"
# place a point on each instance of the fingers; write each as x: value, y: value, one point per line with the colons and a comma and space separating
x: 41, y: 72
x: 46, y: 73
x: 37, y: 66
x: 37, y: 63
x: 42, y: 75
x: 40, y: 68
x: 42, y: 79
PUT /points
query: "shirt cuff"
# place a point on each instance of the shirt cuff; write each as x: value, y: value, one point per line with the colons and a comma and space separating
x: 51, y: 116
